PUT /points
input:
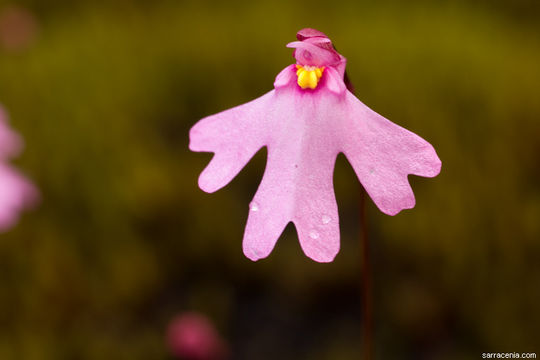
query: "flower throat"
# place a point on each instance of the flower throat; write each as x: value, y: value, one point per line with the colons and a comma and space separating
x: 308, y: 76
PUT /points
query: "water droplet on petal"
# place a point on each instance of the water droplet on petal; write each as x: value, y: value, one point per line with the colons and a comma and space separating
x: 313, y: 234
x: 253, y: 206
x: 326, y: 219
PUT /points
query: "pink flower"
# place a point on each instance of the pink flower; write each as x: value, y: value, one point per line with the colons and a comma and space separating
x: 305, y: 122
x: 192, y: 336
x: 16, y: 192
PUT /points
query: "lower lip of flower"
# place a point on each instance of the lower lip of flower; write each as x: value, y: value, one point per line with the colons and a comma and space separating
x: 308, y: 76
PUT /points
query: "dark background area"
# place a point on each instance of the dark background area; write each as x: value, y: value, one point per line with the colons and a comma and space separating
x: 104, y: 94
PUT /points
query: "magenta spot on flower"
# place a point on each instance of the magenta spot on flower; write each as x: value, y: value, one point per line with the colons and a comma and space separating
x: 297, y: 185
x: 192, y: 336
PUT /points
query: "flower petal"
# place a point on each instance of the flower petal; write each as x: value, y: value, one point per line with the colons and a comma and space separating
x: 16, y: 194
x: 383, y: 154
x: 10, y: 142
x: 234, y: 135
x: 316, y: 215
x: 309, y: 33
x: 334, y: 82
x: 297, y: 184
x: 285, y: 77
x: 313, y: 55
x: 269, y: 213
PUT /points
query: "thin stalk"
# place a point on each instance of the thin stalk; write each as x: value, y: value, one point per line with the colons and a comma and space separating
x: 367, y: 303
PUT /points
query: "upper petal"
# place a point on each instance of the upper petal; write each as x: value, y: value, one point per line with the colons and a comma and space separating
x: 310, y: 54
x: 308, y: 33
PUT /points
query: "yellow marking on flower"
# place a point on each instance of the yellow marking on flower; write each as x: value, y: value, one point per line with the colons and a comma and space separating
x: 308, y: 76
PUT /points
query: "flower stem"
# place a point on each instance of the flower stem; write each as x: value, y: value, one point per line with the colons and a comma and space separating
x: 367, y: 304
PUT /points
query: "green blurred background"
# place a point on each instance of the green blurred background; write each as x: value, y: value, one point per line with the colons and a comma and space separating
x: 104, y: 94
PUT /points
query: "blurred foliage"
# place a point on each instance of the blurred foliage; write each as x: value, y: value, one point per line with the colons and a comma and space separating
x: 104, y: 96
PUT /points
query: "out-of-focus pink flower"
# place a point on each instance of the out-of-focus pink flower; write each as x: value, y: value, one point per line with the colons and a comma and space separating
x: 305, y: 122
x: 18, y: 28
x: 192, y: 336
x: 16, y: 192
